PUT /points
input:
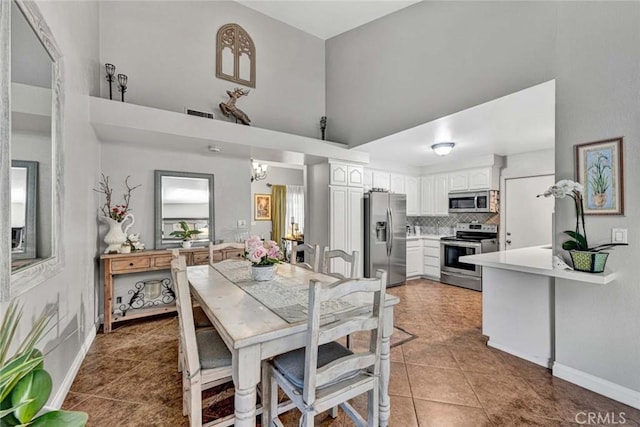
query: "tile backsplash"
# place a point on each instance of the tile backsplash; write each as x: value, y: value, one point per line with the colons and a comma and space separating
x: 447, y: 224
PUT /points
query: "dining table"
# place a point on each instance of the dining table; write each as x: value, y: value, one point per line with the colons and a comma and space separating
x: 261, y: 320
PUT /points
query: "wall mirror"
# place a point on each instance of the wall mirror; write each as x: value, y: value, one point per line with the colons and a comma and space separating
x: 183, y: 196
x: 31, y: 118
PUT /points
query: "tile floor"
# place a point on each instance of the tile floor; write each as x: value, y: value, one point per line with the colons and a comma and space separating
x: 445, y: 377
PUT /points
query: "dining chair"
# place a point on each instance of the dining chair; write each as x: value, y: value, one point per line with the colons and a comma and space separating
x: 324, y: 373
x: 219, y: 252
x: 312, y: 254
x: 352, y: 260
x: 206, y: 358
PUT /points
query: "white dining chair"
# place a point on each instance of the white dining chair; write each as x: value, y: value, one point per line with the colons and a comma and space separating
x: 311, y: 254
x: 352, y: 260
x: 206, y: 360
x: 324, y: 373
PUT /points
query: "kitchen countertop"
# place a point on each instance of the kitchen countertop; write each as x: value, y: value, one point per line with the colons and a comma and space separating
x: 535, y: 260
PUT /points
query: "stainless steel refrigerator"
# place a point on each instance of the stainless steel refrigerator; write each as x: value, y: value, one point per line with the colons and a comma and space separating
x: 385, y: 235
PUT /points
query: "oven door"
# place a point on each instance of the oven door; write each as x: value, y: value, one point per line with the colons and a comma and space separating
x: 450, y: 253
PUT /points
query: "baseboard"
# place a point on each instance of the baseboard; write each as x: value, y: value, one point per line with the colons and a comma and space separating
x: 62, y: 392
x: 546, y: 363
x: 601, y: 386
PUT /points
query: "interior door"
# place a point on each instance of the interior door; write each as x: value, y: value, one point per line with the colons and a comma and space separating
x: 527, y: 217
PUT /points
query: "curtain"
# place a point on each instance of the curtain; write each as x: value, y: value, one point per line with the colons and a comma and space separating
x: 295, y: 207
x: 278, y: 212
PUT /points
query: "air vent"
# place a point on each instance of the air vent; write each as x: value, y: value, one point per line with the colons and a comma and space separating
x: 199, y: 113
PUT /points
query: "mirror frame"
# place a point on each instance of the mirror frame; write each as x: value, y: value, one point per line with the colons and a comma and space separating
x: 26, y: 278
x: 30, y: 211
x: 157, y: 214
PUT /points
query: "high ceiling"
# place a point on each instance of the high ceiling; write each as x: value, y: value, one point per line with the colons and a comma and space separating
x: 326, y: 18
x: 517, y: 123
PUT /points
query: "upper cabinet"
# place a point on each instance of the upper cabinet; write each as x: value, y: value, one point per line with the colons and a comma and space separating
x: 347, y: 175
x: 441, y: 195
x: 474, y: 179
x: 426, y: 196
x: 412, y: 188
x: 397, y: 184
x: 382, y: 180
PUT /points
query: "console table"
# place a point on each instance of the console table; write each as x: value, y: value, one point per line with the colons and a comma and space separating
x: 154, y: 260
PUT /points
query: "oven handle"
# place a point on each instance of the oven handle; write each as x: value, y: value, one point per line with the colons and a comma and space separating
x: 461, y: 244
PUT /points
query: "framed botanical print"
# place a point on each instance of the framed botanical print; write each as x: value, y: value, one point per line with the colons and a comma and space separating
x: 599, y: 168
x: 262, y: 207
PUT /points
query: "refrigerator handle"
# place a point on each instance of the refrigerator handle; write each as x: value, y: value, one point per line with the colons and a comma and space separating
x: 391, y: 231
x: 388, y: 231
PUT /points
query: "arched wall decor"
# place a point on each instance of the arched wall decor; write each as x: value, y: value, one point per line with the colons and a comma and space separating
x: 235, y: 55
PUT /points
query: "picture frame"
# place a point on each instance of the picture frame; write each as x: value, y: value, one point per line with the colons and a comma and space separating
x: 262, y: 207
x: 599, y: 167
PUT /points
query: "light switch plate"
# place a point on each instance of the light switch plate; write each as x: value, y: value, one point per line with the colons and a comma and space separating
x: 619, y: 235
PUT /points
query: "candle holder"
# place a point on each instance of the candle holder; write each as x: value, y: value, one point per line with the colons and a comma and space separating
x: 122, y: 83
x: 111, y: 70
x: 323, y: 126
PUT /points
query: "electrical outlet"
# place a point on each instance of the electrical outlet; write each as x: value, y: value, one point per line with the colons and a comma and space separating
x: 118, y: 300
x: 242, y: 223
x: 618, y: 235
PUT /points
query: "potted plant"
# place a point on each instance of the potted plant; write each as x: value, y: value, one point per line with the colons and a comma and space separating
x: 25, y: 385
x: 186, y: 234
x: 584, y: 258
x: 263, y: 256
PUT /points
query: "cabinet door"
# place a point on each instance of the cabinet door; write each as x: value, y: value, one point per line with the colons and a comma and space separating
x: 354, y: 176
x: 367, y: 179
x: 459, y: 181
x: 412, y: 188
x: 441, y: 195
x: 426, y: 196
x: 414, y: 261
x: 339, y: 174
x: 480, y: 179
x: 381, y: 180
x: 355, y: 227
x: 397, y: 184
x: 339, y: 223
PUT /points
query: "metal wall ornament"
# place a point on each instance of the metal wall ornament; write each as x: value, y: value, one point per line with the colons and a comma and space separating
x: 235, y: 55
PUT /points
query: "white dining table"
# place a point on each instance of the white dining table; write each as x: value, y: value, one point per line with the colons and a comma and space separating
x: 255, y: 334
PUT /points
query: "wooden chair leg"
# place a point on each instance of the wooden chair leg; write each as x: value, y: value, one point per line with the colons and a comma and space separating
x: 185, y: 395
x: 372, y: 405
x: 266, y: 394
x: 333, y: 412
x: 195, y: 407
x: 273, y: 392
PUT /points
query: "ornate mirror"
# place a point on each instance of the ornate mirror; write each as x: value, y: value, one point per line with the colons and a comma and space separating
x: 183, y: 196
x: 31, y: 184
x: 235, y: 55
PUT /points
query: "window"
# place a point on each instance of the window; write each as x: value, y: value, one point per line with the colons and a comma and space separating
x: 235, y: 55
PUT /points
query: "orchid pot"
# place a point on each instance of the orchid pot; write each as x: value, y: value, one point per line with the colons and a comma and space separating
x: 263, y: 273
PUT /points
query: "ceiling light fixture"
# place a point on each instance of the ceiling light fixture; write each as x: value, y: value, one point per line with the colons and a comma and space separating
x: 443, y: 148
x: 259, y: 171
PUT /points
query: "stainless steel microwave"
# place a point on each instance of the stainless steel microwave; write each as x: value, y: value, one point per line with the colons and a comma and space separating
x: 476, y: 201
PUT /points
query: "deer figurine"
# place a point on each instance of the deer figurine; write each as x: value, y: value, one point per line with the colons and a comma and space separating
x: 229, y: 107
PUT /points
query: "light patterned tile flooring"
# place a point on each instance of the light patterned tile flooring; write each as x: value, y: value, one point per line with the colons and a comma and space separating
x: 445, y: 377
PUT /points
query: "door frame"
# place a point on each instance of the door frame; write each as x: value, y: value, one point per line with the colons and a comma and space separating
x: 503, y: 204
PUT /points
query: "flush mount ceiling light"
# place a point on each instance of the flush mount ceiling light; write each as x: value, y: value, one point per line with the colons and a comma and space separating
x: 443, y: 148
x: 259, y: 171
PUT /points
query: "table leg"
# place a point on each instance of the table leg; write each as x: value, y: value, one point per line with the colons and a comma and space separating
x: 108, y: 296
x: 385, y: 370
x: 246, y: 376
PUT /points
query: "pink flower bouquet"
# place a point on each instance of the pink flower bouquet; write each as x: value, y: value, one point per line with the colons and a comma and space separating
x: 262, y: 253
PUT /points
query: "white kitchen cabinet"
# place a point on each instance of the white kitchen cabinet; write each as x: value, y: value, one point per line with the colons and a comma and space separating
x: 441, y: 195
x: 355, y: 176
x: 345, y: 223
x: 431, y: 258
x: 414, y: 258
x: 412, y: 189
x: 339, y: 174
x: 459, y: 181
x: 381, y: 180
x: 397, y: 184
x: 426, y: 195
x: 367, y: 179
x: 480, y: 179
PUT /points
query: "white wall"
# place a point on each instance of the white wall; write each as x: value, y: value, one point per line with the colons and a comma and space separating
x: 231, y: 184
x: 433, y: 59
x: 529, y: 164
x: 168, y: 51
x: 72, y: 291
x: 276, y: 176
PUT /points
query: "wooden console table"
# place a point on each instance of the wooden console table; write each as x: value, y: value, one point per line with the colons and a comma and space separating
x: 154, y: 260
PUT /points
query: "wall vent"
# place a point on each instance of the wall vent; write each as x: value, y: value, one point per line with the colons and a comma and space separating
x: 199, y: 113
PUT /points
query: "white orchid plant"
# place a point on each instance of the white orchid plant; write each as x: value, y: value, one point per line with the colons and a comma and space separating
x: 133, y: 240
x: 262, y: 253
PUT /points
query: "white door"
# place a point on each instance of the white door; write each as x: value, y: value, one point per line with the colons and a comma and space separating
x: 527, y: 217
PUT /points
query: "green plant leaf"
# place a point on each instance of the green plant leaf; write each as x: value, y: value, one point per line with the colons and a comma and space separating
x: 61, y: 419
x: 8, y: 329
x: 581, y: 242
x: 35, y: 386
x: 569, y: 245
x: 13, y: 371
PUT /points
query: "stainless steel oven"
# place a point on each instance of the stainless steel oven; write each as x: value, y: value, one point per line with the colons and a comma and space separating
x: 470, y: 239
